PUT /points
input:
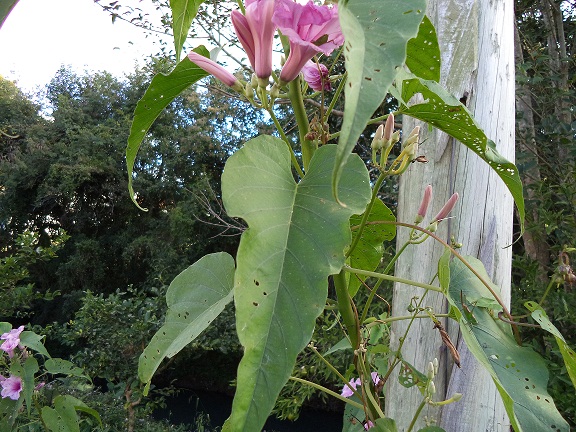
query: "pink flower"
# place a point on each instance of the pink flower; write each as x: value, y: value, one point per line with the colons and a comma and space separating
x: 11, y: 340
x: 11, y: 387
x: 311, y: 29
x: 368, y: 425
x: 255, y: 30
x: 375, y: 378
x: 215, y: 69
x: 347, y: 391
x: 316, y: 75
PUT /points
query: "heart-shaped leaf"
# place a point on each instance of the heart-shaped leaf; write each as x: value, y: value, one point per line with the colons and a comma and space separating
x: 296, y: 238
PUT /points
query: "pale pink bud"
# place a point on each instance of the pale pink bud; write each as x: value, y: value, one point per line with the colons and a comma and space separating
x: 424, y: 204
x: 389, y: 128
x: 316, y: 75
x: 215, y: 69
x: 377, y: 141
x: 448, y: 207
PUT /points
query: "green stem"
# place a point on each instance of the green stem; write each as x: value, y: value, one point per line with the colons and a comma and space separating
x: 345, y: 309
x: 308, y: 147
x: 328, y: 391
x: 335, y: 98
x: 386, y: 271
x: 418, y: 411
x: 377, y: 185
x: 393, y: 279
x: 404, y: 317
x: 287, y: 141
x: 373, y: 404
x: 548, y: 288
x: 332, y: 368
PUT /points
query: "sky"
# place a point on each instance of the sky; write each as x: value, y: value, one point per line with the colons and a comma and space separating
x: 41, y: 35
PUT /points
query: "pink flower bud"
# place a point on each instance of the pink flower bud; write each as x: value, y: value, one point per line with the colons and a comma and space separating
x: 448, y: 207
x: 316, y: 75
x: 389, y: 128
x: 215, y: 69
x: 424, y: 204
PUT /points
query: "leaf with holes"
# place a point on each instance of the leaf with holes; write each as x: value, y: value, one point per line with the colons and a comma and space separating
x: 60, y: 366
x: 376, y: 33
x: 519, y: 373
x: 63, y: 417
x: 443, y: 111
x: 368, y: 251
x: 162, y: 90
x: 194, y: 298
x: 183, y: 13
x: 423, y: 52
x: 296, y: 238
x: 568, y: 354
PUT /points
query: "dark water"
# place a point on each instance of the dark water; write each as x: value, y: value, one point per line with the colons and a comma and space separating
x: 184, y: 407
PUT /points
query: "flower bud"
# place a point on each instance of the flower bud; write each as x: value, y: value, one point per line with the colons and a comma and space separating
x: 431, y: 388
x: 377, y: 141
x: 254, y: 80
x: 389, y: 128
x: 424, y: 204
x: 435, y: 363
x: 448, y: 207
x: 413, y: 137
x: 430, y: 370
x: 456, y: 397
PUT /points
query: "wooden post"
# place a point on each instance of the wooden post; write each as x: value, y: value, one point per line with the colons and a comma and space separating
x: 476, y: 40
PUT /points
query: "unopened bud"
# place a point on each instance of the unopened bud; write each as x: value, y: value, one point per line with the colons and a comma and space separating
x: 254, y: 81
x: 389, y: 128
x: 413, y: 137
x: 435, y: 363
x: 377, y: 141
x: 448, y: 207
x: 430, y: 370
x: 431, y: 388
x: 395, y: 138
x: 249, y: 91
x: 456, y: 397
x: 274, y: 91
x: 424, y: 204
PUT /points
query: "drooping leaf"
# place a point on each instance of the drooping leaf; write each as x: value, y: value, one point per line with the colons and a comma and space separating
x: 6, y: 7
x: 296, y: 238
x: 162, y: 90
x: 354, y: 418
x: 9, y: 412
x: 568, y: 353
x: 443, y: 111
x: 60, y: 366
x: 183, y: 13
x: 368, y: 252
x: 195, y: 298
x: 519, y: 373
x: 376, y: 33
x: 34, y: 342
x: 423, y: 52
x: 384, y: 425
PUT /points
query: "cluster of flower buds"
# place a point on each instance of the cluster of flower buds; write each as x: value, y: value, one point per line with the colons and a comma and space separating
x: 383, y: 141
x: 310, y: 29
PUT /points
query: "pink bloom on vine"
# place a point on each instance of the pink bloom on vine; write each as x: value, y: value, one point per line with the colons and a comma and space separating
x: 255, y: 31
x: 347, y: 391
x: 424, y: 204
x: 375, y: 378
x: 368, y: 425
x: 11, y: 387
x: 316, y: 75
x: 215, y: 69
x: 11, y: 340
x: 311, y: 29
x: 448, y: 207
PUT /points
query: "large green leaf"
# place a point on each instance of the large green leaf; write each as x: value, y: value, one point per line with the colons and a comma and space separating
x: 423, y: 52
x: 63, y: 417
x: 162, y: 90
x: 368, y: 252
x: 34, y: 342
x: 183, y: 13
x: 65, y: 367
x: 6, y: 7
x: 568, y: 353
x: 443, y: 111
x: 296, y: 238
x: 376, y: 33
x: 519, y: 373
x: 195, y: 298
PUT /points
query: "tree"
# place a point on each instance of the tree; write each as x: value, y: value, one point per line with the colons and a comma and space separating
x: 476, y: 40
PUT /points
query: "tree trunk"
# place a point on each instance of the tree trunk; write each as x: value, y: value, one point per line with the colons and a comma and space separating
x: 476, y: 41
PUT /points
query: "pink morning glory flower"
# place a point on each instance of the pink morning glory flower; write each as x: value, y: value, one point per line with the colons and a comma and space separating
x: 255, y: 30
x: 311, y: 29
x: 215, y: 69
x: 11, y: 340
x: 347, y: 391
x: 11, y: 387
x: 316, y: 75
